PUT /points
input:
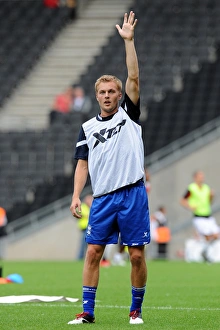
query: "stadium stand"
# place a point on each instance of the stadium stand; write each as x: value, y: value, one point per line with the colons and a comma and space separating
x: 26, y: 31
x: 179, y: 65
x: 178, y: 51
x: 181, y: 113
x: 29, y: 159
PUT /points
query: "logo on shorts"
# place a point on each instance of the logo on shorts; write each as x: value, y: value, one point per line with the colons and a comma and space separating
x: 106, y: 134
x: 145, y: 234
x: 89, y: 229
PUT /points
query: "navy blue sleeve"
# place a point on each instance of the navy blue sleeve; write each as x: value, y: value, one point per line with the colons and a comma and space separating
x: 132, y: 110
x: 82, y: 150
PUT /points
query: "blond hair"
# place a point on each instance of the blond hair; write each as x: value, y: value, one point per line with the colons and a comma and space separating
x: 108, y: 78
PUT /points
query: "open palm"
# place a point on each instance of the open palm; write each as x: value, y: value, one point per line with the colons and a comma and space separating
x: 127, y: 30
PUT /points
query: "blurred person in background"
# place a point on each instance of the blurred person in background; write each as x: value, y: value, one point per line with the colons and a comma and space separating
x: 147, y: 180
x: 62, y: 105
x: 81, y: 102
x: 160, y: 232
x: 198, y: 199
x: 71, y: 4
x: 3, y: 233
x: 51, y: 3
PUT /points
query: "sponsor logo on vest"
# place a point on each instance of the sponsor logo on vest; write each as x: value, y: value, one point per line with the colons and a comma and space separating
x: 106, y: 134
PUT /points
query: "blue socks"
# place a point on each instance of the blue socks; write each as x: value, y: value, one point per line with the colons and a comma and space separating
x: 137, y: 298
x: 89, y: 294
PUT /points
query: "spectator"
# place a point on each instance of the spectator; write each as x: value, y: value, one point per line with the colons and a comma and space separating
x: 160, y: 233
x: 3, y: 234
x: 62, y: 105
x: 72, y: 5
x: 51, y: 3
x: 120, y: 257
x: 198, y: 199
x: 81, y: 102
x: 83, y: 222
x: 147, y: 180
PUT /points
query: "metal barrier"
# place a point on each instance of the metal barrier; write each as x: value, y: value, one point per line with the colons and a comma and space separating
x: 188, y: 222
x: 41, y: 218
x: 183, y: 146
x: 159, y: 159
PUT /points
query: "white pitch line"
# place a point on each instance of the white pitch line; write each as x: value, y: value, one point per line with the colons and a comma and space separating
x: 70, y: 305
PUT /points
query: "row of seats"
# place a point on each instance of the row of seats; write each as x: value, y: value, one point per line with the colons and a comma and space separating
x: 178, y: 51
x: 26, y: 30
x: 182, y: 112
x: 171, y: 38
x: 31, y: 158
x: 42, y: 195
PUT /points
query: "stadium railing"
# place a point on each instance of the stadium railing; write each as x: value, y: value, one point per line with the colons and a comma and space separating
x: 156, y: 161
x: 188, y: 222
x: 184, y: 146
x: 41, y: 218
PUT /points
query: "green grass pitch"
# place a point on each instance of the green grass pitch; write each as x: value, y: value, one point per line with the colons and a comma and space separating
x: 179, y: 295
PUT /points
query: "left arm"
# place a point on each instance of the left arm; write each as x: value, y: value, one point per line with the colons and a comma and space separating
x: 212, y: 195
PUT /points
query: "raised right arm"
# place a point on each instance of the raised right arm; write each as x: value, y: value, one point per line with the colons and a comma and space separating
x: 127, y: 33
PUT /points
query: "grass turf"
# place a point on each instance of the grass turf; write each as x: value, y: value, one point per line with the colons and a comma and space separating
x: 179, y: 296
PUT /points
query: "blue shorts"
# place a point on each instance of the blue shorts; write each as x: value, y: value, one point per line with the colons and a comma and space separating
x: 124, y: 211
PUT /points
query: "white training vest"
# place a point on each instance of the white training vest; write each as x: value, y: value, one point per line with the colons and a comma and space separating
x: 116, y: 153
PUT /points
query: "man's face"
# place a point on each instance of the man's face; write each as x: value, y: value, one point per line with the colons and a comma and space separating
x: 199, y: 177
x: 108, y: 97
